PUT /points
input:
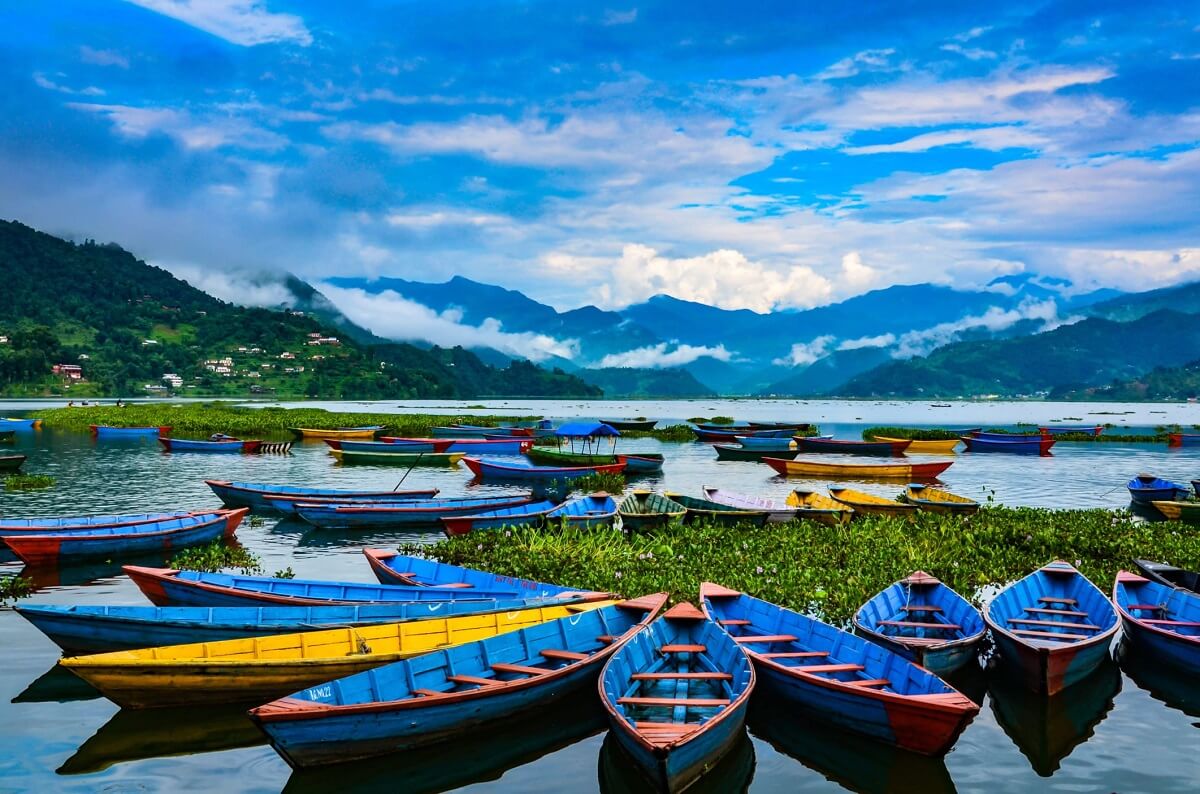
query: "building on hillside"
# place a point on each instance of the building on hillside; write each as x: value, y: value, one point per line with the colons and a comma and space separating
x: 287, y: 356
x: 3, y: 339
x: 172, y: 379
x: 68, y: 371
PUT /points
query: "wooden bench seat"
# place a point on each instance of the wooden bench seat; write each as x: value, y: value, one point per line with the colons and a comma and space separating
x: 607, y: 639
x: 795, y: 655
x: 1151, y: 607
x: 1066, y: 613
x: 473, y: 679
x: 734, y: 622
x: 1050, y: 635
x: 673, y: 702
x: 831, y: 668
x: 682, y: 676
x: 427, y: 692
x: 1164, y: 622
x: 870, y: 682
x: 572, y: 656
x: 503, y: 667
x: 1057, y: 623
x: 754, y: 638
x: 916, y: 624
x: 665, y: 727
x: 921, y: 608
x: 684, y: 648
x: 1052, y: 600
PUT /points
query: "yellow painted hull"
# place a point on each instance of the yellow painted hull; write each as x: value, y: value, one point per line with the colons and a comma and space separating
x: 309, y: 432
x: 869, y: 504
x: 819, y: 507
x: 935, y: 500
x: 1179, y: 511
x: 263, y: 668
x: 897, y: 471
x: 944, y: 447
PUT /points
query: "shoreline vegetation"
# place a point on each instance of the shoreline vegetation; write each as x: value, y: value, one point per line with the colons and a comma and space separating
x: 934, y: 434
x: 826, y: 571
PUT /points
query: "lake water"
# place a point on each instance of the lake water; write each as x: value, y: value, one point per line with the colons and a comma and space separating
x: 1130, y: 729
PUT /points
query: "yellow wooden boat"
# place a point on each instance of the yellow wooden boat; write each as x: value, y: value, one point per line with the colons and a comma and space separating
x: 259, y: 669
x: 870, y: 504
x: 939, y: 447
x: 900, y: 470
x: 1179, y: 511
x: 937, y: 500
x: 340, y: 432
x: 819, y: 507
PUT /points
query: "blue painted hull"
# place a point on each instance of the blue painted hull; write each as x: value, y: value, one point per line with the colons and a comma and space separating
x: 1179, y: 653
x: 393, y: 568
x: 127, y: 432
x: 685, y: 764
x: 119, y: 543
x: 1147, y: 495
x: 416, y: 513
x: 385, y: 447
x: 586, y: 512
x: 17, y: 424
x: 216, y: 447
x: 258, y: 496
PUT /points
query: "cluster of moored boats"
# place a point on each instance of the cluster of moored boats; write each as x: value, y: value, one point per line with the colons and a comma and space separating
x: 1171, y: 500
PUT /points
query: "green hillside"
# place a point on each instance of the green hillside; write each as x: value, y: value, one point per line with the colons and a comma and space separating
x: 126, y: 324
x: 1161, y: 383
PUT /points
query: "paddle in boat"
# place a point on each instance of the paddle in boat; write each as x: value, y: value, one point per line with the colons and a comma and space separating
x: 676, y: 696
x: 493, y: 469
x: 870, y: 504
x: 818, y: 507
x: 527, y: 515
x: 841, y: 678
x: 1148, y: 488
x: 648, y: 510
x: 751, y: 454
x: 266, y: 496
x: 1036, y: 445
x: 1169, y: 575
x: 778, y: 512
x: 637, y: 425
x: 388, y: 447
x: 592, y: 511
x: 391, y: 567
x: 1164, y: 622
x: 392, y: 458
x: 127, y: 541
x: 925, y: 621
x: 939, y: 500
x: 894, y: 448
x: 1183, y: 439
x: 421, y: 512
x: 11, y: 462
x: 861, y: 471
x: 216, y: 443
x: 705, y: 511
x: 100, y: 629
x: 1186, y: 511
x: 925, y: 447
x: 108, y: 431
x: 447, y: 694
x: 261, y: 668
x: 471, y: 446
x: 365, y: 431
x: 1053, y: 627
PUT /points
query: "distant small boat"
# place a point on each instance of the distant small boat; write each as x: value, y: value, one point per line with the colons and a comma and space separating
x: 1059, y: 430
x: 478, y: 431
x: 1164, y: 621
x: 819, y: 507
x: 10, y: 423
x: 340, y: 515
x: 222, y: 444
x: 732, y: 434
x: 387, y: 458
x: 1169, y: 575
x: 389, y: 447
x: 267, y: 496
x: 706, y: 511
x: 1038, y: 445
x: 1054, y: 626
x: 862, y: 471
x: 392, y: 567
x: 676, y: 696
x: 647, y: 510
x: 527, y: 515
x: 1175, y: 510
x: 107, y: 431
x: 751, y: 454
x: 894, y: 448
x: 925, y: 621
x: 450, y: 693
x: 870, y: 504
x: 11, y: 462
x: 919, y: 447
x: 472, y: 446
x: 1146, y: 488
x: 493, y: 469
x: 1006, y: 436
x: 639, y: 425
x: 777, y: 511
x: 364, y: 431
x: 585, y: 512
x: 939, y: 500
x: 768, y: 444
x: 1183, y: 439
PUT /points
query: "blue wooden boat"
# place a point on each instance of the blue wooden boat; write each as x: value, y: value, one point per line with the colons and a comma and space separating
x: 446, y: 694
x: 10, y: 423
x: 1053, y: 627
x: 473, y: 446
x: 101, y: 629
x: 124, y: 542
x: 1183, y: 439
x: 167, y: 587
x: 650, y: 463
x: 1163, y: 622
x: 1005, y: 436
x: 585, y: 512
x: 766, y: 444
x: 221, y: 444
x: 731, y: 435
x: 42, y: 526
x: 1146, y: 488
x: 106, y: 431
x: 839, y: 677
x: 1060, y: 430
x: 676, y: 696
x: 421, y: 512
x: 268, y: 496
x: 523, y: 470
x: 1036, y: 445
x: 388, y: 446
x: 752, y: 454
x: 391, y: 567
x: 527, y: 515
x: 884, y: 448
x: 923, y: 620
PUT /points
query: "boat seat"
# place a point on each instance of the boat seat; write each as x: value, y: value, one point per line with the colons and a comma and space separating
x: 1183, y: 623
x: 502, y: 667
x: 734, y: 622
x: 766, y: 638
x: 921, y: 608
x: 684, y: 648
x: 795, y: 655
x: 913, y: 624
x: 473, y: 679
x: 1050, y: 635
x: 607, y: 639
x: 1062, y: 623
x: 655, y: 728
x: 682, y: 676
x: 1053, y: 600
x: 572, y: 656
x: 427, y: 692
x: 880, y: 682
x: 1154, y: 607
x: 1066, y: 613
x: 673, y: 702
x: 831, y: 668
x: 454, y: 586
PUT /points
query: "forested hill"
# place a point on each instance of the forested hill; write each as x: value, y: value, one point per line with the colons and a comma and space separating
x: 126, y: 324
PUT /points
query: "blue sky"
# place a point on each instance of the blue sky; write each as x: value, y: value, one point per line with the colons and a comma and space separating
x: 777, y: 155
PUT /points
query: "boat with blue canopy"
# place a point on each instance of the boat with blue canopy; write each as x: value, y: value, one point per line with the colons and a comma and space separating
x: 268, y: 496
x: 420, y: 512
x: 1147, y: 488
x: 1164, y: 622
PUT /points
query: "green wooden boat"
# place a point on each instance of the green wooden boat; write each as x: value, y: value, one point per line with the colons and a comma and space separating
x: 635, y: 463
x: 702, y: 510
x: 738, y: 452
x: 11, y: 462
x: 398, y: 458
x: 648, y: 510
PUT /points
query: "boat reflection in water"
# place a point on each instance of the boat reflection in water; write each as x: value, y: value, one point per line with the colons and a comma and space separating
x: 138, y: 734
x: 477, y: 757
x: 851, y: 761
x: 1048, y: 729
x: 733, y: 773
x: 1164, y: 683
x: 57, y: 685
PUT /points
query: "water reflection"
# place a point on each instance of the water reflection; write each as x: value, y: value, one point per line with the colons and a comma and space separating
x: 618, y: 774
x: 57, y: 685
x: 137, y: 734
x: 1048, y: 729
x: 491, y: 751
x: 851, y: 761
x: 1164, y: 683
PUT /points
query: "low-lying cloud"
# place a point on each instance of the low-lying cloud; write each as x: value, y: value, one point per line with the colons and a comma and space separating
x: 234, y: 286
x: 925, y: 341
x: 658, y: 357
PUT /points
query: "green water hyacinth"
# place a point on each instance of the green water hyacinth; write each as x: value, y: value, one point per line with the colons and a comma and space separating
x: 28, y: 482
x: 217, y: 557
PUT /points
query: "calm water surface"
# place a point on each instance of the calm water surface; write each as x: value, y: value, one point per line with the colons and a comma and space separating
x: 1129, y: 729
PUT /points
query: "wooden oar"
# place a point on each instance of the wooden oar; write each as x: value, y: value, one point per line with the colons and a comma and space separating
x: 410, y: 468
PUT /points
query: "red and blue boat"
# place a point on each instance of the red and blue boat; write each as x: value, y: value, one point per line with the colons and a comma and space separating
x: 478, y: 431
x: 448, y: 694
x: 1146, y: 488
x: 127, y: 541
x: 217, y: 443
x: 1163, y: 622
x: 384, y: 447
x: 521, y: 470
x: 391, y: 567
x: 472, y: 446
x: 1183, y: 439
x: 108, y: 431
x: 1032, y: 445
x: 839, y: 677
x: 925, y: 621
x: 1053, y: 627
x: 56, y: 525
x: 268, y: 496
x: 1005, y: 436
x: 852, y: 447
x: 676, y: 696
x: 532, y: 514
x: 421, y: 512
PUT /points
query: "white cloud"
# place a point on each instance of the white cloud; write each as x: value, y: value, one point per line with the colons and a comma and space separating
x: 990, y: 138
x: 392, y: 316
x: 805, y: 353
x: 620, y: 17
x: 103, y: 57
x: 243, y: 22
x: 241, y: 288
x: 856, y: 274
x: 864, y: 61
x: 882, y: 340
x: 970, y: 53
x: 922, y: 342
x: 658, y: 357
x: 444, y: 217
x: 192, y: 133
x: 45, y: 82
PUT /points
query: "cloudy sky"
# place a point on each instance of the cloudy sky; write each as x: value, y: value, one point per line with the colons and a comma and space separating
x: 759, y: 156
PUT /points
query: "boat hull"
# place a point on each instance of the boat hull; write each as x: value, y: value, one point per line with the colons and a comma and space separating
x: 1039, y: 446
x: 474, y: 446
x: 751, y: 454
x: 345, y: 432
x: 878, y: 448
x: 491, y: 470
x: 418, y: 513
x: 936, y: 447
x: 865, y: 471
x: 11, y: 462
x: 219, y: 447
x: 259, y: 496
x: 116, y: 543
x: 442, y: 459
x: 104, y: 431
